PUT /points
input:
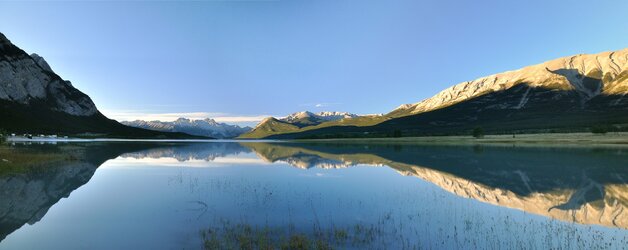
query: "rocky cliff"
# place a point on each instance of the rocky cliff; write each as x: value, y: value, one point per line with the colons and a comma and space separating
x: 28, y: 79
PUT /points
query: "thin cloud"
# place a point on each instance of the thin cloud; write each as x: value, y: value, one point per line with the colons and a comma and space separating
x: 320, y: 104
x: 237, y: 119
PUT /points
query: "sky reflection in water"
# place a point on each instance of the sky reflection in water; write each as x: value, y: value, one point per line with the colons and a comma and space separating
x: 162, y: 195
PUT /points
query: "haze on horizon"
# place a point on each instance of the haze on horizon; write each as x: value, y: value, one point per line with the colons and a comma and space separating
x: 239, y: 61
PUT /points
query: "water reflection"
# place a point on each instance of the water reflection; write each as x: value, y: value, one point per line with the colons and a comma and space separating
x: 583, y: 185
x: 193, y: 151
x: 35, y: 176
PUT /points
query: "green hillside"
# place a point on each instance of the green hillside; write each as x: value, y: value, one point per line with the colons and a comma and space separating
x: 277, y: 127
x: 549, y: 111
x: 270, y: 126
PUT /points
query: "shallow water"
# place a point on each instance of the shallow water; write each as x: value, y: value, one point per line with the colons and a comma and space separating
x: 167, y: 195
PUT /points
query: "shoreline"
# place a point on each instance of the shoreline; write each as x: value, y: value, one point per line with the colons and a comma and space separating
x: 55, y: 140
x: 609, y: 139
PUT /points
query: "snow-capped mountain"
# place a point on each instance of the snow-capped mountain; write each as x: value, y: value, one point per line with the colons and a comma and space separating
x: 304, y: 116
x: 297, y: 121
x: 205, y: 127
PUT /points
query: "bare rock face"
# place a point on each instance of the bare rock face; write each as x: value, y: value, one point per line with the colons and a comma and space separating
x: 28, y: 79
x: 589, y: 75
x: 41, y: 62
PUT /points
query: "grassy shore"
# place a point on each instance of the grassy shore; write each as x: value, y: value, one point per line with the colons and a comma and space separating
x: 616, y: 139
x: 22, y: 159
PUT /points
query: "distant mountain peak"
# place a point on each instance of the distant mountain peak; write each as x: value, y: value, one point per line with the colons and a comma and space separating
x: 295, y: 121
x: 324, y: 115
x: 202, y: 127
x: 265, y: 121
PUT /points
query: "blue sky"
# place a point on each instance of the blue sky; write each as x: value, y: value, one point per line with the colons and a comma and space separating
x: 242, y: 60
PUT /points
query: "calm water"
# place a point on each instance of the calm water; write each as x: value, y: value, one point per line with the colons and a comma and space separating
x: 134, y: 195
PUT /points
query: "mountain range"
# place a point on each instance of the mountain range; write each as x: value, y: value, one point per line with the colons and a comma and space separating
x: 296, y: 122
x: 206, y: 127
x: 34, y: 99
x: 567, y: 94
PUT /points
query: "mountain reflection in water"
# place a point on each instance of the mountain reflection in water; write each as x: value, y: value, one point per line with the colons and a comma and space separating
x: 582, y: 185
x: 28, y: 191
x: 585, y: 185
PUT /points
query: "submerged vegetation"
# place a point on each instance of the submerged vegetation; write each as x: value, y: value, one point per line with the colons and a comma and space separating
x: 14, y: 159
x: 246, y: 236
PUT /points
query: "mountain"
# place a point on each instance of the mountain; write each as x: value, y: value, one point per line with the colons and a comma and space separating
x: 296, y: 122
x: 306, y: 118
x: 568, y: 94
x: 207, y: 127
x: 34, y: 99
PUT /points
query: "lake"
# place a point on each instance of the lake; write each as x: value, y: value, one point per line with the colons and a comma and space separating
x: 221, y: 195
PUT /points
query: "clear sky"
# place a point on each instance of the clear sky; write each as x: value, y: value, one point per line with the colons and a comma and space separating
x: 241, y: 60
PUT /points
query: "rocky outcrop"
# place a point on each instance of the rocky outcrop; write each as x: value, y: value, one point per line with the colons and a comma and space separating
x: 28, y: 79
x: 41, y: 62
